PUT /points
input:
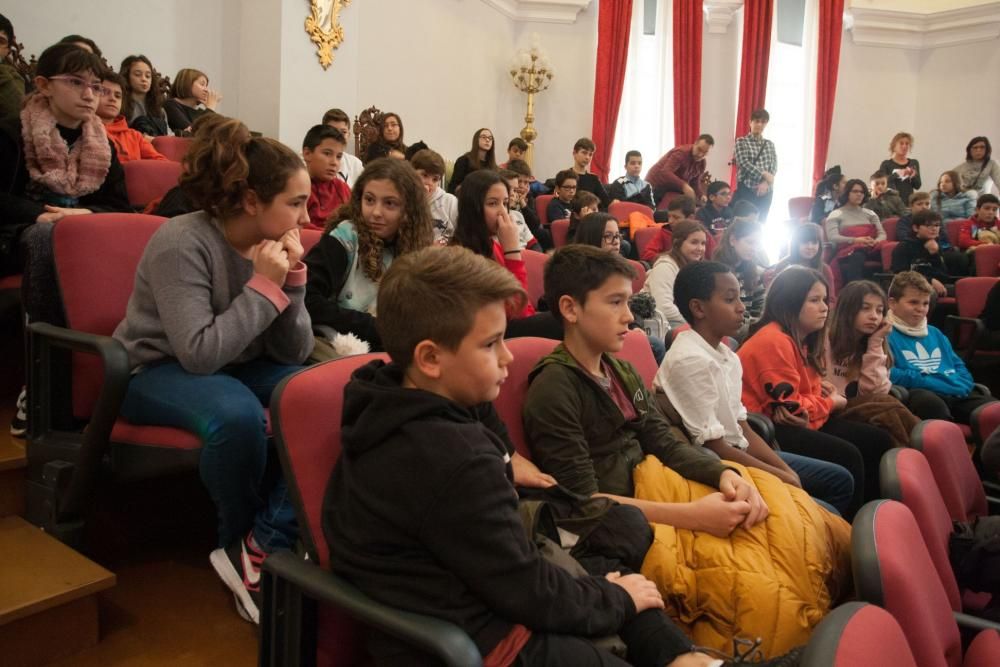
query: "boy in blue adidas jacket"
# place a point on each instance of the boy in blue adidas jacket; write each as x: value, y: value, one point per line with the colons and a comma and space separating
x: 924, y: 362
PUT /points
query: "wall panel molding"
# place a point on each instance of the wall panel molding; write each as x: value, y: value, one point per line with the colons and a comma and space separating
x: 924, y: 30
x: 541, y: 11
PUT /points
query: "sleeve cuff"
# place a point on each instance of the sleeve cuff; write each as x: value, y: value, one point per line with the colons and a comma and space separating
x: 297, y: 275
x: 269, y: 291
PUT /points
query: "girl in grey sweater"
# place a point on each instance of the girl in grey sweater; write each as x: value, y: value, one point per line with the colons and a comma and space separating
x: 215, y: 321
x: 979, y: 169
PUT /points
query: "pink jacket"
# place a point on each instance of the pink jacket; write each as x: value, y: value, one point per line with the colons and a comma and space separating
x: 873, y: 377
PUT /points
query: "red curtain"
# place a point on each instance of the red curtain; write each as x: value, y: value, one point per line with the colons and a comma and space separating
x: 758, y: 16
x: 688, y: 20
x: 831, y: 26
x: 613, y: 25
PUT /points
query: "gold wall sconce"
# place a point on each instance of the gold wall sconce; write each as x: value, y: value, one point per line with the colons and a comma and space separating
x: 324, y: 29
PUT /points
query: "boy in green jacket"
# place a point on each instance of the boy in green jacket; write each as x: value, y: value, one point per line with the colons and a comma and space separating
x: 588, y: 418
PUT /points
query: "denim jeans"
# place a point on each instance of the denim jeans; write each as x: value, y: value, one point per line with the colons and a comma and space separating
x: 829, y: 483
x: 226, y: 411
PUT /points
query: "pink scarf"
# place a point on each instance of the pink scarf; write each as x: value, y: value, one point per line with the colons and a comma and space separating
x: 72, y: 172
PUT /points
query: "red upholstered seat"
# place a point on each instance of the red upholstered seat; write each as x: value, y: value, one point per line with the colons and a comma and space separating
x: 637, y: 352
x: 620, y: 210
x: 542, y: 208
x: 173, y: 148
x: 560, y: 232
x: 146, y: 180
x: 800, y: 208
x: 11, y: 282
x: 906, y: 477
x: 943, y: 444
x: 527, y: 352
x: 951, y: 229
x: 985, y: 419
x: 534, y: 264
x: 889, y: 225
x: 643, y: 237
x: 856, y: 634
x: 971, y: 293
x: 640, y: 276
x: 987, y: 261
x: 893, y: 570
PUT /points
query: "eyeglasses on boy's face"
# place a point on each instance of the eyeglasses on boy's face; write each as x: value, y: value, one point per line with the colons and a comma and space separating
x: 568, y: 188
x: 612, y: 237
x: 79, y: 85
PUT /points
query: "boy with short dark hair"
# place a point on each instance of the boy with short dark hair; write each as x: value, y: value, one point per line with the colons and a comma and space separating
x: 703, y: 378
x: 448, y: 542
x: 583, y: 153
x: 885, y: 202
x: 631, y: 187
x: 129, y: 144
x: 919, y: 201
x: 716, y: 214
x: 525, y: 238
x: 350, y: 165
x: 516, y: 149
x: 922, y: 252
x: 981, y: 227
x: 561, y: 206
x: 444, y: 206
x: 956, y: 261
x: 588, y: 418
x: 523, y: 200
x: 924, y: 362
x: 322, y: 149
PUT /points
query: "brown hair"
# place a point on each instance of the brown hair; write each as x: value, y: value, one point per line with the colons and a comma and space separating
x: 847, y: 344
x: 684, y: 204
x: 783, y: 303
x: 473, y: 155
x: 434, y: 294
x: 584, y: 143
x: 906, y: 279
x: 181, y: 87
x: 416, y: 228
x: 224, y: 162
x: 520, y: 167
x: 67, y: 59
x: 429, y: 161
x: 918, y: 196
x: 153, y: 98
x: 956, y: 186
x: 336, y: 116
x: 899, y: 136
x: 681, y: 231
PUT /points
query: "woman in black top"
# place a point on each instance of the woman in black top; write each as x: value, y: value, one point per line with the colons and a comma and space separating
x: 390, y: 137
x: 190, y: 89
x: 903, y: 171
x: 482, y: 155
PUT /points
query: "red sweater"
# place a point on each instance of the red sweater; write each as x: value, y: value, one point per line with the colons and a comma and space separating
x: 676, y: 169
x: 969, y: 230
x: 325, y: 199
x: 775, y: 373
x: 515, y: 266
x: 129, y: 143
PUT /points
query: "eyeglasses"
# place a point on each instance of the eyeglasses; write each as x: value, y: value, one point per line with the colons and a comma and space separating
x: 486, y: 137
x: 568, y: 188
x: 857, y: 192
x: 933, y: 225
x: 612, y: 237
x: 78, y: 84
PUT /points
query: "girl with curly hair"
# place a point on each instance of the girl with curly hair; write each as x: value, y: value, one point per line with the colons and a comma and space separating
x: 386, y: 217
x: 215, y: 321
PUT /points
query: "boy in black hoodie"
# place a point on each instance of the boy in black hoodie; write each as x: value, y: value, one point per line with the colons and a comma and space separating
x: 421, y: 511
x: 921, y: 252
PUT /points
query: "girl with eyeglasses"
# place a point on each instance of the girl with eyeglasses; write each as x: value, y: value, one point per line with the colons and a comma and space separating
x: 482, y: 155
x: 979, y: 169
x: 55, y: 160
x: 855, y: 231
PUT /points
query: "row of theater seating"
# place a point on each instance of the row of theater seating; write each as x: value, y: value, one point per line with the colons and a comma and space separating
x: 920, y: 593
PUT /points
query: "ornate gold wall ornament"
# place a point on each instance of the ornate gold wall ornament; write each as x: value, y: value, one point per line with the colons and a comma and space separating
x: 324, y: 28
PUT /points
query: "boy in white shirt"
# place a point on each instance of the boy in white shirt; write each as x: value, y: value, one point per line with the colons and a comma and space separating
x: 444, y: 206
x: 350, y: 165
x: 703, y: 379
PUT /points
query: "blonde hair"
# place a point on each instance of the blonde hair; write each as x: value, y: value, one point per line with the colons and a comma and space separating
x: 181, y: 87
x: 899, y: 136
x: 434, y: 294
x: 910, y: 279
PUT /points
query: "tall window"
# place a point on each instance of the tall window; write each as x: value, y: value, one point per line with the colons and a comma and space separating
x: 646, y: 115
x: 791, y: 101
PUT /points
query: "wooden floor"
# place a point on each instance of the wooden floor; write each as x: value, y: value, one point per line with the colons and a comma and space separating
x: 168, y: 607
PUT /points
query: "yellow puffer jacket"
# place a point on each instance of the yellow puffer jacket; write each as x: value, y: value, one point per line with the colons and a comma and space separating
x: 775, y: 581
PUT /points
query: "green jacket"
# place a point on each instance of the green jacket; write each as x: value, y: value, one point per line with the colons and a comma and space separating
x: 579, y: 436
x: 11, y: 90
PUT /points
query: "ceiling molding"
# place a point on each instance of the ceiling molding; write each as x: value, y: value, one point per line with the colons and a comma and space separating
x: 924, y: 30
x: 719, y: 14
x: 541, y: 11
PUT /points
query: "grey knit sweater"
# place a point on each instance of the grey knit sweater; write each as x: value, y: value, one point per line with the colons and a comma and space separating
x: 199, y: 301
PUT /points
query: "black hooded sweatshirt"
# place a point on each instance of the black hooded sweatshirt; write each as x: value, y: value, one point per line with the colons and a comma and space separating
x: 421, y: 514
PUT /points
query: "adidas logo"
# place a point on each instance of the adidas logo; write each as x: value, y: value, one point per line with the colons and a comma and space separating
x: 926, y: 363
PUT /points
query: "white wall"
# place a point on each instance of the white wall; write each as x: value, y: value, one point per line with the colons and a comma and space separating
x: 720, y: 76
x: 942, y: 96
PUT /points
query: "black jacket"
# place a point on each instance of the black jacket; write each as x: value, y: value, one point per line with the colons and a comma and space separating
x: 911, y: 255
x: 420, y: 513
x: 328, y: 264
x: 616, y: 190
x: 18, y: 208
x: 592, y: 184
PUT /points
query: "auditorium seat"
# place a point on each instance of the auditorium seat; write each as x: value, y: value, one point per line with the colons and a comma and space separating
x: 943, y: 444
x: 970, y: 294
x: 542, y: 208
x: 643, y: 237
x: 560, y: 232
x: 172, y: 148
x: 857, y: 634
x: 534, y: 264
x: 987, y: 261
x: 800, y: 208
x: 148, y: 180
x: 889, y: 225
